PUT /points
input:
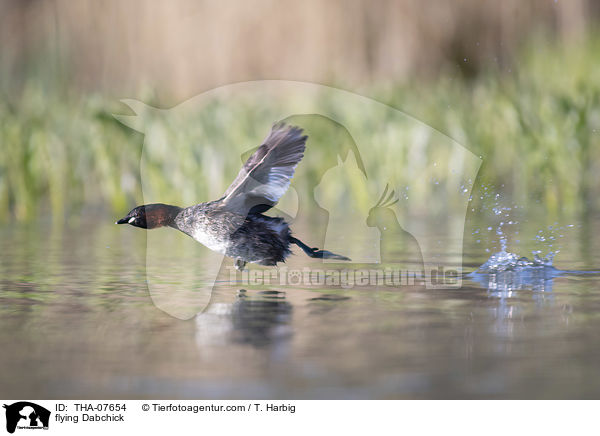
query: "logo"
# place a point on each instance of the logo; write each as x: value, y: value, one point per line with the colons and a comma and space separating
x: 375, y: 184
x: 26, y: 415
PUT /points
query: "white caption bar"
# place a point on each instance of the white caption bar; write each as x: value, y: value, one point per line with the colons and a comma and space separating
x: 262, y: 417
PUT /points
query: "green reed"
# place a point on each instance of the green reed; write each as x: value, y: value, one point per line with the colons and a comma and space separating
x: 537, y: 128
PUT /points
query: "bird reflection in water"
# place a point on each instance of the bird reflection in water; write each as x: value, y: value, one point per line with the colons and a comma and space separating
x: 258, y: 319
x: 261, y: 320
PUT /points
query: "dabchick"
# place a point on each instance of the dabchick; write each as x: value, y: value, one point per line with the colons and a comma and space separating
x: 234, y: 225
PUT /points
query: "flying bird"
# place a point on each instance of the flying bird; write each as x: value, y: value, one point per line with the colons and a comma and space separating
x: 234, y: 225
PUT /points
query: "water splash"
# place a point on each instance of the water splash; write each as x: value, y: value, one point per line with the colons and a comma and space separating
x: 502, y: 220
x: 505, y: 272
x: 505, y: 261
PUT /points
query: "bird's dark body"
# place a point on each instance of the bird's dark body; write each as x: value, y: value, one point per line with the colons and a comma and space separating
x: 261, y: 239
x: 255, y: 238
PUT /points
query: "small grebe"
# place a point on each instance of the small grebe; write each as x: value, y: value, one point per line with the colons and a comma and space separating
x: 234, y: 224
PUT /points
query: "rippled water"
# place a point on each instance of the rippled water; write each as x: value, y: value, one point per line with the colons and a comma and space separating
x: 77, y: 321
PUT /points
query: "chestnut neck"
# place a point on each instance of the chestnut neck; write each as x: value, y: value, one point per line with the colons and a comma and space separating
x: 160, y: 215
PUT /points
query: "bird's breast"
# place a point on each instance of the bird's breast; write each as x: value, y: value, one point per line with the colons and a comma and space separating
x: 211, y: 241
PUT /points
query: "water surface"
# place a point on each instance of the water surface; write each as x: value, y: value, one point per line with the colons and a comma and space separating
x: 77, y: 321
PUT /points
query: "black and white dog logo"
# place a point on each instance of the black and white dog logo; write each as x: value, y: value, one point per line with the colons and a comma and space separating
x: 26, y: 415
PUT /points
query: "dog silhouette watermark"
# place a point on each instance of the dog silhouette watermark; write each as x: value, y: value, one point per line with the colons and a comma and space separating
x: 376, y: 185
x: 26, y: 415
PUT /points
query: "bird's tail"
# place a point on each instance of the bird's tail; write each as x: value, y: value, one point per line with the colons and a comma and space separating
x: 315, y: 252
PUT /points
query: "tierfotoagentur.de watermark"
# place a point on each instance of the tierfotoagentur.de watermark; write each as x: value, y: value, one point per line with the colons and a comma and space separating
x: 346, y: 278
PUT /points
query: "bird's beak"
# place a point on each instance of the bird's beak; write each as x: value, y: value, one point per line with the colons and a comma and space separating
x: 123, y: 220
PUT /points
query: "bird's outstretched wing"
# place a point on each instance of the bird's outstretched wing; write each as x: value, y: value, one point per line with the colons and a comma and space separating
x: 267, y: 174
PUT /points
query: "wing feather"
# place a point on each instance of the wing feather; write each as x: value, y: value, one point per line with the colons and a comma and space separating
x: 268, y: 172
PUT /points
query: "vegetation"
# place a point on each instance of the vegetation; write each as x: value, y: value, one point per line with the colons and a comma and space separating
x: 537, y: 128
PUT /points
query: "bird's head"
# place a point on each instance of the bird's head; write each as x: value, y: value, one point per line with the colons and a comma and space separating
x: 151, y: 216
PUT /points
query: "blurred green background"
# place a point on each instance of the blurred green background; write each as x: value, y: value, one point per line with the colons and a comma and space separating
x: 518, y: 83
